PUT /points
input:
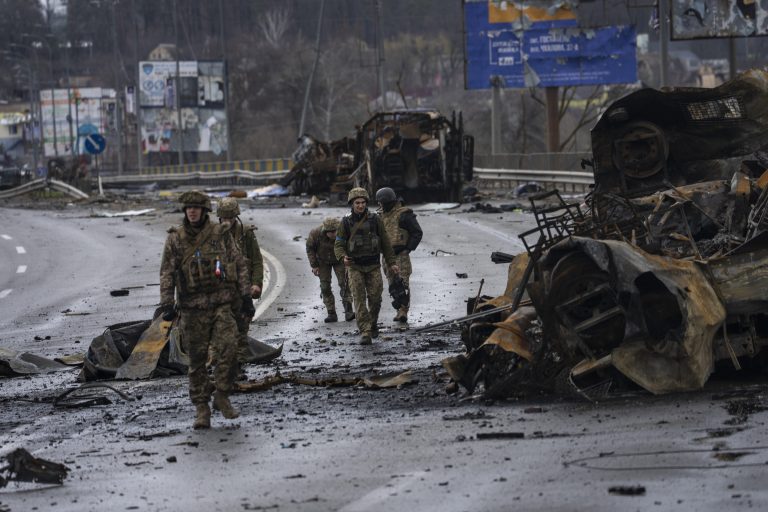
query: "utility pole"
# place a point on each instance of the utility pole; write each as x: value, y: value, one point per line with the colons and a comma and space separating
x: 664, y: 41
x: 223, y: 41
x: 314, y: 67
x: 118, y: 104
x: 496, y: 83
x: 177, y: 83
x: 137, y: 89
x: 553, y: 119
x: 69, y: 104
x: 380, y: 50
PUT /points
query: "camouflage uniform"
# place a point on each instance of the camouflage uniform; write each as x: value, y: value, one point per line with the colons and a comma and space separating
x: 321, y: 256
x: 405, y: 234
x: 246, y: 241
x: 190, y: 259
x: 369, y: 241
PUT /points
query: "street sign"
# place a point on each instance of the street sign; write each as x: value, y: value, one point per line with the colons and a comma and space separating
x: 95, y: 143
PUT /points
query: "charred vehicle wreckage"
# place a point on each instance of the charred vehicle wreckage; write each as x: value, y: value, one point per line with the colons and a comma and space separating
x: 659, y: 276
x: 421, y: 154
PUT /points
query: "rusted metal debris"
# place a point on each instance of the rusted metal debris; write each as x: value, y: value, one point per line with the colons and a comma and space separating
x: 375, y: 382
x: 23, y: 467
x: 421, y: 154
x: 659, y: 276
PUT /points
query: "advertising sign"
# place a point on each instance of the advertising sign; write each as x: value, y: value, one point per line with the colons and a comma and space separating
x: 719, y: 18
x: 546, y: 54
x: 72, y: 111
x: 157, y: 77
x: 201, y: 98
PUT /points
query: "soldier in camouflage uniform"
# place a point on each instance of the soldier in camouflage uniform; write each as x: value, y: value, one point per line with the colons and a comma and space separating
x: 323, y: 260
x: 404, y: 233
x: 228, y: 211
x: 205, y: 269
x: 360, y: 240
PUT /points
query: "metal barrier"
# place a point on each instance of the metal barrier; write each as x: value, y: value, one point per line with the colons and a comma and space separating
x: 266, y: 165
x: 565, y: 181
x: 193, y: 176
x: 39, y: 184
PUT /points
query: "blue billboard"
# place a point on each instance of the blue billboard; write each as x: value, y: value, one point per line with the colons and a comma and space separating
x: 545, y: 54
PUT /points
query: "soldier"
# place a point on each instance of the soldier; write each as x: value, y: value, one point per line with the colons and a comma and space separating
x: 405, y: 234
x: 203, y: 265
x: 323, y: 260
x: 360, y: 240
x: 228, y: 211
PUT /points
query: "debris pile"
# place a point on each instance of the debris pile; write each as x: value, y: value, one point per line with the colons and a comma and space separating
x: 659, y: 275
x: 421, y: 154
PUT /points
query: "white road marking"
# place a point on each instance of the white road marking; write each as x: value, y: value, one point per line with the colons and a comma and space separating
x: 5, y: 293
x: 273, y: 291
x: 375, y: 499
x: 20, y: 250
x: 21, y: 269
x: 6, y: 237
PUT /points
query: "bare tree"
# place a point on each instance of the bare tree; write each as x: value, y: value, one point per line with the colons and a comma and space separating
x: 274, y: 24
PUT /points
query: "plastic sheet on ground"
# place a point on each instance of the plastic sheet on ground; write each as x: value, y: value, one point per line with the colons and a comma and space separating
x: 127, y: 213
x: 147, y: 349
x: 273, y: 190
x: 15, y: 364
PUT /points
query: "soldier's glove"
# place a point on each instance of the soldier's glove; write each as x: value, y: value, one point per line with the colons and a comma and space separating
x: 247, y: 309
x: 169, y: 312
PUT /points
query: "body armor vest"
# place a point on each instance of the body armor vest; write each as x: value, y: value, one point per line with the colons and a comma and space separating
x: 365, y: 242
x: 208, y: 266
x: 397, y: 236
x: 324, y: 250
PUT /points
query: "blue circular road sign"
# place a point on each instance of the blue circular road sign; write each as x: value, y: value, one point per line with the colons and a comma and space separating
x: 95, y: 143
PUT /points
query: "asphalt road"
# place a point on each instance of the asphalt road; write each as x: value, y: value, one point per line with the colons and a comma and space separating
x: 337, y: 448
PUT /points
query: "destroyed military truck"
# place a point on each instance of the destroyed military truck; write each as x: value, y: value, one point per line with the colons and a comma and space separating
x: 421, y: 154
x: 660, y: 276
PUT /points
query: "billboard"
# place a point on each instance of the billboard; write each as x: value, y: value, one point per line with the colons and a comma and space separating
x: 201, y: 100
x: 69, y: 112
x: 719, y: 18
x: 544, y: 52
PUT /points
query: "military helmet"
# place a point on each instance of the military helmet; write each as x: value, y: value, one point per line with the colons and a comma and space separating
x: 330, y: 224
x: 228, y: 208
x: 357, y: 192
x: 386, y: 195
x: 195, y: 198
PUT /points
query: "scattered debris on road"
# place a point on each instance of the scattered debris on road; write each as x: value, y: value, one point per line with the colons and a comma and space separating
x: 87, y: 395
x: 23, y: 467
x: 376, y: 382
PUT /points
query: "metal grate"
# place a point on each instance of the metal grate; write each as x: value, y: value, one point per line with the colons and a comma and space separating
x: 720, y: 109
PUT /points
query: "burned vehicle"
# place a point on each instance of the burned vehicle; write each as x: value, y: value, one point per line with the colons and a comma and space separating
x: 421, y: 154
x: 659, y: 277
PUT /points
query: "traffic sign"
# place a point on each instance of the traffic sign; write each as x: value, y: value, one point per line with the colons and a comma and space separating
x: 95, y: 143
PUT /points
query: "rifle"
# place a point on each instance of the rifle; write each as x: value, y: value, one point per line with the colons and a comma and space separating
x: 473, y: 316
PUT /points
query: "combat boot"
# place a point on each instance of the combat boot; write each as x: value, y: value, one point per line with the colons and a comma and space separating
x: 202, y: 417
x: 365, y: 339
x: 221, y: 403
x: 331, y: 317
x: 375, y: 328
x: 401, y: 316
x: 349, y: 313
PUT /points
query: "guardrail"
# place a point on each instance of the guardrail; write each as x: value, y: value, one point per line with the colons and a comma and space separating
x: 195, y: 175
x: 44, y: 184
x: 565, y: 181
x: 259, y: 166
